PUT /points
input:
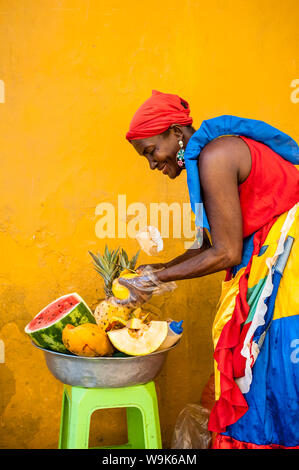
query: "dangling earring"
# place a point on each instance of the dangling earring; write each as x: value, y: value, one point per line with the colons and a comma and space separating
x: 180, y: 155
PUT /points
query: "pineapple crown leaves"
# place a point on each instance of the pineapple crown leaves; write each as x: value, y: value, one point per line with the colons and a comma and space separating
x: 106, y: 266
x: 110, y: 264
x: 124, y: 261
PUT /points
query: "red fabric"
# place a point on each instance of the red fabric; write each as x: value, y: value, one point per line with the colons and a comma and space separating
x: 157, y: 114
x: 231, y: 404
x: 227, y: 442
x: 271, y: 188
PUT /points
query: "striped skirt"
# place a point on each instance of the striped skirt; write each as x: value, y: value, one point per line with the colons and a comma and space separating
x: 256, y: 343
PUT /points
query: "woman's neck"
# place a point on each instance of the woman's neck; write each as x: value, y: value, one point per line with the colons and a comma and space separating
x: 188, y: 132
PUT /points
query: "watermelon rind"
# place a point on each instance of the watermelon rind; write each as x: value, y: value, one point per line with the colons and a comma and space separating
x: 50, y: 337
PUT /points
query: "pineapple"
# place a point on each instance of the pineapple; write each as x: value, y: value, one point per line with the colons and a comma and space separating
x: 108, y: 315
x: 110, y: 265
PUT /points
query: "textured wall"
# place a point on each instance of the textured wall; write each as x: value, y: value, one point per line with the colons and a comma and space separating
x: 72, y: 72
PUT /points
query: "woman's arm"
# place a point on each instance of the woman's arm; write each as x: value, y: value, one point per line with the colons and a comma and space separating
x: 219, y: 169
x: 190, y: 253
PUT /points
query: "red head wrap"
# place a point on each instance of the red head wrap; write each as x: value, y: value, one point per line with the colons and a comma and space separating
x: 157, y: 114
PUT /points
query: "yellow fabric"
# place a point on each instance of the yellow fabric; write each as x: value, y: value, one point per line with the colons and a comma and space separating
x: 287, y: 299
x: 225, y: 308
x: 259, y: 269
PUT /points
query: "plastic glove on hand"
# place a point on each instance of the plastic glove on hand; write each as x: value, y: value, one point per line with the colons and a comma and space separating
x: 141, y: 289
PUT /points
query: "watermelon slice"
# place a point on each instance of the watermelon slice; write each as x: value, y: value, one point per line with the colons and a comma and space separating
x: 45, y: 329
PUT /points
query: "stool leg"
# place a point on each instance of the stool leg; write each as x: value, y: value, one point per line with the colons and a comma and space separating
x: 79, y: 421
x: 135, y: 428
x: 64, y: 422
x: 151, y: 422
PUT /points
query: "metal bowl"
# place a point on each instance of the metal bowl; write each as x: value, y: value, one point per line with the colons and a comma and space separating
x: 105, y: 372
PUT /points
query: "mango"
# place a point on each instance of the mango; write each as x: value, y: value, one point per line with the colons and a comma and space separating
x: 87, y: 340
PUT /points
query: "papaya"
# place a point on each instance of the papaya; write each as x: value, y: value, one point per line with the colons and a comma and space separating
x: 138, y: 342
x: 86, y: 340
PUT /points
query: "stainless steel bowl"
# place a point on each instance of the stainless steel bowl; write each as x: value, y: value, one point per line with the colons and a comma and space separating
x: 105, y: 372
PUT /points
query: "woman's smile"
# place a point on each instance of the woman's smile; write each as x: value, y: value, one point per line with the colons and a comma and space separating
x: 165, y: 169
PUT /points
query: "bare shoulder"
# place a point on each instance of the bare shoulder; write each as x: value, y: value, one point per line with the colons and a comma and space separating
x: 230, y: 152
x: 224, y: 145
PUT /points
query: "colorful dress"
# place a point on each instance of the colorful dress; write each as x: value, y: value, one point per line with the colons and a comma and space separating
x: 256, y: 328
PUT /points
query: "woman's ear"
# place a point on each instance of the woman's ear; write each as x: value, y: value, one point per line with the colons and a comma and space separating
x: 177, y: 130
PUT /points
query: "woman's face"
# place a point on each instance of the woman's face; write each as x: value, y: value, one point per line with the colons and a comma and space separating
x: 160, y: 152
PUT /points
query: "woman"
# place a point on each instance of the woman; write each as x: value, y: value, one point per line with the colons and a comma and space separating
x: 244, y: 191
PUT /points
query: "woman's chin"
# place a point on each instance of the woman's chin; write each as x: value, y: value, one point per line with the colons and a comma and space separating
x: 174, y: 173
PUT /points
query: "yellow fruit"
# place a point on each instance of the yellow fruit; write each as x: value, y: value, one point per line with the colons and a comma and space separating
x: 107, y: 313
x: 135, y: 324
x: 138, y: 313
x: 116, y: 323
x: 86, y: 340
x: 119, y: 291
x: 139, y: 342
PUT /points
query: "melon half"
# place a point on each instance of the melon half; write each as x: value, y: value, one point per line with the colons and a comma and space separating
x: 45, y: 329
x: 145, y: 342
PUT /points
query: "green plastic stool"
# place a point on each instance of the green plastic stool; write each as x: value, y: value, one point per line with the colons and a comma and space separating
x: 140, y: 401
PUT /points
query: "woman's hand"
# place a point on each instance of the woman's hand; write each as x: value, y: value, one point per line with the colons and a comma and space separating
x: 141, y: 289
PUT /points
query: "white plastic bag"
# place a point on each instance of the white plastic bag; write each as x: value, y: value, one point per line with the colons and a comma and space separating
x: 150, y: 240
x: 191, y: 429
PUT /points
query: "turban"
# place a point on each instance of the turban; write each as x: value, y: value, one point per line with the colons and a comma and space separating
x: 157, y: 114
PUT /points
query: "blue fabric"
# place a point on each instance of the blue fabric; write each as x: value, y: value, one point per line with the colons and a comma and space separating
x: 246, y: 254
x: 270, y: 302
x: 210, y: 129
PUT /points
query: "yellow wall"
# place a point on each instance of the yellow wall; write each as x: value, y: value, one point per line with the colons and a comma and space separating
x: 74, y: 72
